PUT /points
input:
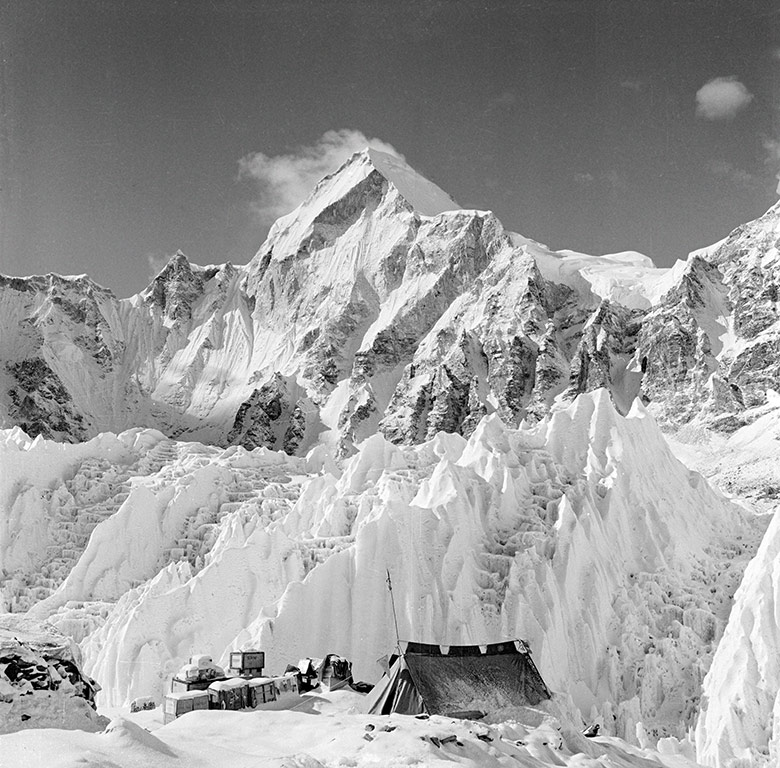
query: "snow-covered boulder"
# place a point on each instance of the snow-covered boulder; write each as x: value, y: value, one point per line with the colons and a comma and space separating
x: 42, y: 684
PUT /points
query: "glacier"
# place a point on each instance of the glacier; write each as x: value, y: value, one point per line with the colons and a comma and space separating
x: 582, y: 534
x: 577, y: 450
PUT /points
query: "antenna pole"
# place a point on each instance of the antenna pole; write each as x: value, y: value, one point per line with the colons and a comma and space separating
x: 395, y: 617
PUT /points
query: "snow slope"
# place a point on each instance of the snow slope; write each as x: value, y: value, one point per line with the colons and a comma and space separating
x: 628, y: 278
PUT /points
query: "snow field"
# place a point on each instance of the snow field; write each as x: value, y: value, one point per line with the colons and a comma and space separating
x: 328, y: 732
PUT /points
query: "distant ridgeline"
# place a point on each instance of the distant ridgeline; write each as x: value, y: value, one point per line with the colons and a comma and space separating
x: 379, y: 305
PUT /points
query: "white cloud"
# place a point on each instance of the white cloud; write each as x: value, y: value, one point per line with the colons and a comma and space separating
x: 156, y: 262
x: 722, y: 98
x: 284, y: 181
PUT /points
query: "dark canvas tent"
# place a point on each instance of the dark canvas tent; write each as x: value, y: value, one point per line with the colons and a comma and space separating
x: 440, y: 680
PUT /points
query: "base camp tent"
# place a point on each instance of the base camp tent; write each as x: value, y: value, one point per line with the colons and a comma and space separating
x: 463, y: 680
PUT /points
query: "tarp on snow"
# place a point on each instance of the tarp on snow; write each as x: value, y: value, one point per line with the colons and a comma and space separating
x: 456, y: 679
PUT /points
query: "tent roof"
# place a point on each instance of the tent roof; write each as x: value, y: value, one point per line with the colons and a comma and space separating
x: 453, y: 679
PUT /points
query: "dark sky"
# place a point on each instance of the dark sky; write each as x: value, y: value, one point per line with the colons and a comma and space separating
x: 123, y: 122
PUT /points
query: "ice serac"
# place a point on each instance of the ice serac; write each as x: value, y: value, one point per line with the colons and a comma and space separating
x: 739, y: 723
x: 582, y: 534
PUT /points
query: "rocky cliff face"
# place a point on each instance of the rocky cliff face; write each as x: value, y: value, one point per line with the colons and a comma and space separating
x: 379, y: 305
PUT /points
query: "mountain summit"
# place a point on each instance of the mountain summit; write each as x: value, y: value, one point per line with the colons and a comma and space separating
x: 358, y: 184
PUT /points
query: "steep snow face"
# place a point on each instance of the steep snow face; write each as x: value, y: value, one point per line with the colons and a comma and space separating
x: 583, y: 535
x: 742, y: 463
x: 423, y: 195
x: 739, y: 722
x: 189, y: 338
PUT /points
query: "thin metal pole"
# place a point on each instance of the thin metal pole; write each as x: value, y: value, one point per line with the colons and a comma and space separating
x: 395, y: 617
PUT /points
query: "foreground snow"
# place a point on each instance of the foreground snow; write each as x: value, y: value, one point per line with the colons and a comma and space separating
x: 328, y: 731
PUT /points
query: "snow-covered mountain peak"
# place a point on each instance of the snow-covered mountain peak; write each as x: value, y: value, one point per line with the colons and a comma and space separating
x: 52, y: 285
x: 360, y: 185
x: 424, y: 196
x: 178, y: 285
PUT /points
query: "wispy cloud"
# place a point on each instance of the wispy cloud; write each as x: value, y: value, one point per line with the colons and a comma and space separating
x: 723, y: 169
x: 722, y: 99
x: 284, y: 181
x: 156, y: 261
x: 772, y: 156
